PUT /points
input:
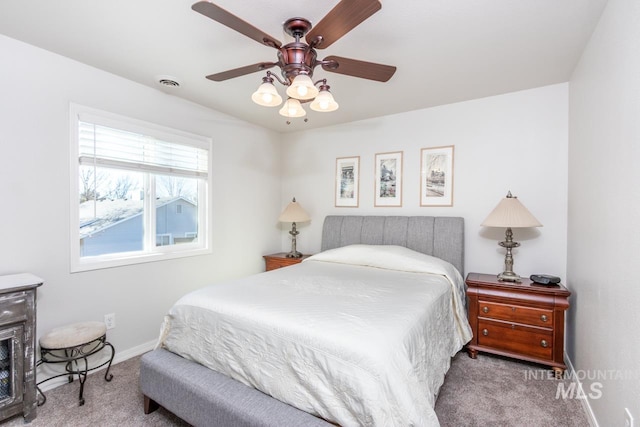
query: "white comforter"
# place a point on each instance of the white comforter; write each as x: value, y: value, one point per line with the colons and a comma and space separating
x: 360, y: 335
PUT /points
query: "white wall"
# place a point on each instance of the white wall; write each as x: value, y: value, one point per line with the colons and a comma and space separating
x: 516, y: 142
x: 604, y: 211
x: 34, y: 191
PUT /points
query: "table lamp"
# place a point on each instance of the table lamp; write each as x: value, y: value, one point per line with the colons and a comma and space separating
x: 510, y: 213
x: 294, y: 213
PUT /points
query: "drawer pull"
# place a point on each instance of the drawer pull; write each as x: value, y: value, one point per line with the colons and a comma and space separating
x: 544, y: 343
x: 544, y: 318
x: 485, y: 309
x: 485, y: 332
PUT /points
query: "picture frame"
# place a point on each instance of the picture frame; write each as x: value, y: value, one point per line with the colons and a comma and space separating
x: 436, y: 176
x: 347, y: 185
x: 388, y: 179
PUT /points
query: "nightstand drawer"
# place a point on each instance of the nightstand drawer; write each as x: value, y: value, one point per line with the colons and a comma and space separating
x: 515, y: 338
x: 516, y: 313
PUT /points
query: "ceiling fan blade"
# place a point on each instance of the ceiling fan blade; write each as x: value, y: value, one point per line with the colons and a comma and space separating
x: 237, y: 72
x: 220, y: 15
x: 344, y: 17
x: 356, y: 68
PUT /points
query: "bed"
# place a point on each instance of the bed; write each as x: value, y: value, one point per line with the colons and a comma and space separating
x: 360, y: 334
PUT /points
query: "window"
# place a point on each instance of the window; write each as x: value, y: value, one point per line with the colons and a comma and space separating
x: 163, y: 239
x: 137, y: 187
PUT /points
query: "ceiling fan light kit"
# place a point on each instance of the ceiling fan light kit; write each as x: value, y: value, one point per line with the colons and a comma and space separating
x: 297, y: 60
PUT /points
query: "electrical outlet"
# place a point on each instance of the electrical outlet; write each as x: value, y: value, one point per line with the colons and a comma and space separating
x: 110, y: 320
x: 628, y: 418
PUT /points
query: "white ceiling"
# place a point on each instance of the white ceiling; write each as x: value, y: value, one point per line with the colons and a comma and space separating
x: 445, y: 50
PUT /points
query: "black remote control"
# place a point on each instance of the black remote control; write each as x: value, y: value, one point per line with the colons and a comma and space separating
x: 545, y: 279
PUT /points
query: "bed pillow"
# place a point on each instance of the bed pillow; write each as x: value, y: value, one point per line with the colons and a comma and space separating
x: 389, y: 257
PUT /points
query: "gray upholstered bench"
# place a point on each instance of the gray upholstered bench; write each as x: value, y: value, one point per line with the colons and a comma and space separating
x: 204, y: 397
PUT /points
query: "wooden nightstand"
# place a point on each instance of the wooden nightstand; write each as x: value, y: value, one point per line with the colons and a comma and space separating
x: 280, y: 260
x: 520, y: 320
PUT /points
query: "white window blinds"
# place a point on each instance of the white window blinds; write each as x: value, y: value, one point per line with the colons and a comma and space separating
x: 101, y: 145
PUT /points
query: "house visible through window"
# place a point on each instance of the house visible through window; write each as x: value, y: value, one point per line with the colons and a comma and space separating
x: 141, y: 191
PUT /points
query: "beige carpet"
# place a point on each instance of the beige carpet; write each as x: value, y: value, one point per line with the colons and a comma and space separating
x: 499, y: 392
x: 488, y: 391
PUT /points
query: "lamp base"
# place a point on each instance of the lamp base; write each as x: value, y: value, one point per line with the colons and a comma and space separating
x: 295, y: 254
x: 509, y: 276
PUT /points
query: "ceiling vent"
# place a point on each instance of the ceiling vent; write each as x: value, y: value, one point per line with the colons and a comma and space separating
x: 168, y: 81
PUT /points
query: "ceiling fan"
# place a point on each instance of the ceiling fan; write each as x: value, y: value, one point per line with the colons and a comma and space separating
x: 298, y: 59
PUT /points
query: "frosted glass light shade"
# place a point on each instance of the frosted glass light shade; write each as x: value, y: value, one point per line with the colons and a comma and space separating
x: 302, y: 88
x: 324, y: 102
x: 292, y: 108
x: 267, y: 95
x: 511, y: 213
x: 294, y: 213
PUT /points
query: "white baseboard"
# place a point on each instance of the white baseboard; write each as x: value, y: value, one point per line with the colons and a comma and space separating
x: 49, y: 370
x: 591, y: 417
x: 135, y: 351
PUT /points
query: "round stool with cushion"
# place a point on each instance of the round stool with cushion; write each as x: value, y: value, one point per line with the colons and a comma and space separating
x: 72, y: 345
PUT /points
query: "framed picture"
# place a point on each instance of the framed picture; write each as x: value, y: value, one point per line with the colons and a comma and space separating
x: 388, y: 179
x: 436, y: 176
x: 347, y: 181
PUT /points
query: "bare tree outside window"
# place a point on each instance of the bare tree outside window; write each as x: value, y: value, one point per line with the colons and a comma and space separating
x: 90, y: 181
x: 171, y: 186
x: 121, y: 189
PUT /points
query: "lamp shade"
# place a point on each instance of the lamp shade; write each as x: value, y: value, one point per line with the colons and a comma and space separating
x: 324, y: 102
x: 292, y: 108
x: 511, y: 213
x: 267, y: 95
x: 302, y: 87
x: 294, y: 213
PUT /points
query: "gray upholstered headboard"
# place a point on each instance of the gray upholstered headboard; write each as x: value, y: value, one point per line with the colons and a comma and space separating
x: 438, y: 236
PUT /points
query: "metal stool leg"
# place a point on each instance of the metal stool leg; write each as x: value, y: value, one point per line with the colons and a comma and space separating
x: 68, y: 367
x: 107, y: 375
x: 82, y: 377
x: 39, y: 395
x: 39, y: 392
